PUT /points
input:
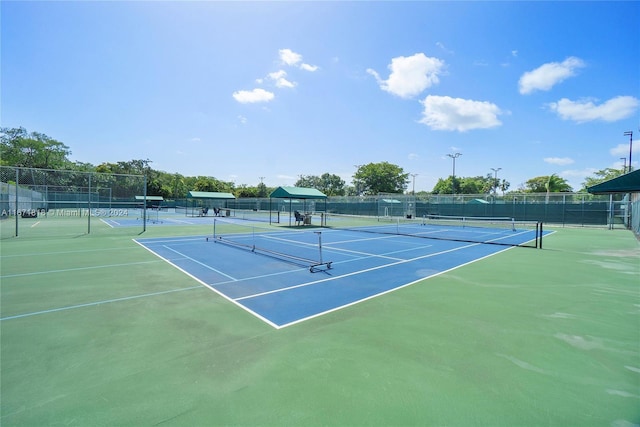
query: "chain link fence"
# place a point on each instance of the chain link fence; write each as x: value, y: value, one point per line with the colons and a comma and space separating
x: 53, y: 202
x: 566, y: 209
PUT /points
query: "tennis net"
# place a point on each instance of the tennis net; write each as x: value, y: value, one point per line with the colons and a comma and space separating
x: 496, y: 231
x: 297, y: 247
x: 272, y: 217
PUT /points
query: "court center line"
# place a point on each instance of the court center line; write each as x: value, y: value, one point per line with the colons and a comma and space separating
x: 76, y: 269
x: 90, y: 304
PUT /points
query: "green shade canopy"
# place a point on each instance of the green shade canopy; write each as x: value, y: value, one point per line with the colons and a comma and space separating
x: 627, y: 183
x: 209, y: 195
x: 297, y: 193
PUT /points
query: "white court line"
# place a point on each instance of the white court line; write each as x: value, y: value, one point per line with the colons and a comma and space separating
x: 211, y: 288
x: 201, y: 263
x: 76, y: 269
x: 355, y: 273
x: 156, y: 240
x: 390, y: 290
x: 105, y: 221
x: 64, y: 252
x: 90, y: 304
x: 36, y: 223
x: 330, y: 246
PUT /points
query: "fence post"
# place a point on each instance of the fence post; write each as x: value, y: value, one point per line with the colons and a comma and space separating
x: 16, y: 210
x: 89, y: 204
x: 144, y: 206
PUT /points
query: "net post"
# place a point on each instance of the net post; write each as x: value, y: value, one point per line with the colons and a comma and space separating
x: 540, y: 235
x: 513, y: 224
x: 319, y: 233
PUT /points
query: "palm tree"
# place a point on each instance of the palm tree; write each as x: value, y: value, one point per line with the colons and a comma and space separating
x: 555, y: 184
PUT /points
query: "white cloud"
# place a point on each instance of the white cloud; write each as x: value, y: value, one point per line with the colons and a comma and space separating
x: 285, y: 83
x: 279, y: 78
x: 277, y: 74
x: 575, y: 177
x: 291, y: 58
x: 253, y: 96
x: 444, y: 48
x: 242, y: 119
x: 560, y: 161
x: 410, y: 75
x: 622, y: 150
x: 617, y: 108
x: 446, y: 113
x: 286, y: 177
x: 548, y: 75
x: 413, y: 156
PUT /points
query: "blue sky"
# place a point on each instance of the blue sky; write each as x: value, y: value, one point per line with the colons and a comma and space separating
x: 245, y: 91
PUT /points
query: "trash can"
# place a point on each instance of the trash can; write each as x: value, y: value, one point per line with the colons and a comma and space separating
x: 307, y: 219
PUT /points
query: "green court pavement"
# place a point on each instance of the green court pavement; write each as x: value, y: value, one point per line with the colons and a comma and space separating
x: 97, y: 331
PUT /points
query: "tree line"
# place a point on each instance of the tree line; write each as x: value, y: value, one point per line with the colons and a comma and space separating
x: 21, y: 148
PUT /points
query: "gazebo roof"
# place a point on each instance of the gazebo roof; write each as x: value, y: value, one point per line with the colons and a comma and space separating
x: 297, y: 193
x: 209, y: 195
x: 627, y: 183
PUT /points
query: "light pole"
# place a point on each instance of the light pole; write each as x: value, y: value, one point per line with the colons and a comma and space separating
x: 630, y: 133
x: 495, y: 180
x: 453, y: 179
x: 414, y: 183
x: 624, y: 164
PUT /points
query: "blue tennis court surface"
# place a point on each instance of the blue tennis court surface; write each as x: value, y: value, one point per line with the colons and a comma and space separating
x: 283, y: 291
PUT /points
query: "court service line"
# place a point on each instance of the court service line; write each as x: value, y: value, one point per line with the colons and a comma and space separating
x: 200, y: 263
x: 331, y: 247
x: 364, y: 255
x: 76, y: 269
x: 354, y: 273
x: 360, y: 256
x: 36, y: 223
x: 90, y: 304
x: 357, y: 256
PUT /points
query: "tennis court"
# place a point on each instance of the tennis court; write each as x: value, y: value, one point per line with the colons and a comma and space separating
x: 266, y: 271
x: 121, y: 328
